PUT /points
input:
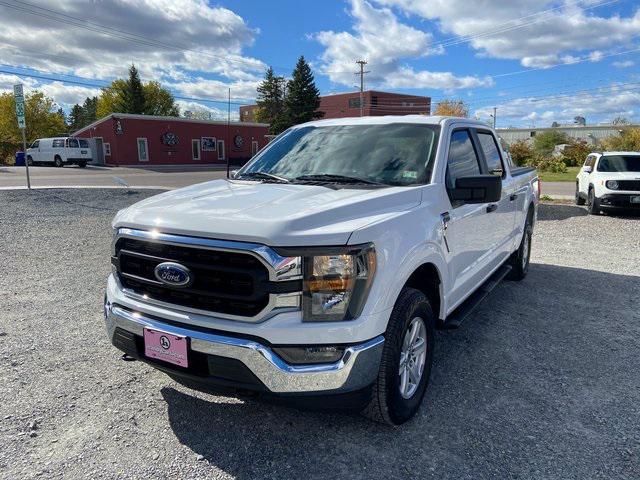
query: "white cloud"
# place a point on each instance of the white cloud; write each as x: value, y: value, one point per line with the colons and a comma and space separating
x: 169, y: 40
x: 384, y: 42
x: 625, y: 64
x: 517, y: 30
x: 599, y: 105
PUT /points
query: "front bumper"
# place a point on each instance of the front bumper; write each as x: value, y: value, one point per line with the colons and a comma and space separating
x: 619, y: 200
x: 231, y: 361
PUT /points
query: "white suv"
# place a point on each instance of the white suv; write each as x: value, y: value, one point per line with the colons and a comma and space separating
x: 609, y: 180
x: 60, y: 151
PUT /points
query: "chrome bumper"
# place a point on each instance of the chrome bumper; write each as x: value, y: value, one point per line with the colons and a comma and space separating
x: 357, y: 368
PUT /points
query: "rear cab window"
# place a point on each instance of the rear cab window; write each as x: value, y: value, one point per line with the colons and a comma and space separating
x: 491, y: 153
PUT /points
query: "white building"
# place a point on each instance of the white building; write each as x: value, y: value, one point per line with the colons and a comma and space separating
x: 591, y: 134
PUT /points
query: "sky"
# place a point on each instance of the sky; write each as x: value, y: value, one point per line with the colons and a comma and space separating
x: 535, y: 61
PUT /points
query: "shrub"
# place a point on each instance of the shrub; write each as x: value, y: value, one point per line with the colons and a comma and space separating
x: 521, y: 152
x: 627, y: 141
x: 544, y: 143
x: 548, y: 164
x: 576, y: 153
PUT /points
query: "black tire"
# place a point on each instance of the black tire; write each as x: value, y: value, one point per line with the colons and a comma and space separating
x: 519, y: 260
x: 29, y: 160
x: 387, y: 404
x: 579, y: 199
x: 82, y: 164
x: 57, y: 161
x: 593, y: 205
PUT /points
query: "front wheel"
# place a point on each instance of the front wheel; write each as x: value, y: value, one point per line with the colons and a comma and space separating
x: 29, y: 161
x: 57, y: 161
x: 593, y: 205
x: 406, y: 361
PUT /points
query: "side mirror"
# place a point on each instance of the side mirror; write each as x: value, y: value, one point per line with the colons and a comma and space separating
x: 587, y: 169
x: 478, y: 189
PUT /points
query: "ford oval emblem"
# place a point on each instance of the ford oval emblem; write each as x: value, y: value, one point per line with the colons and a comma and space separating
x: 173, y: 274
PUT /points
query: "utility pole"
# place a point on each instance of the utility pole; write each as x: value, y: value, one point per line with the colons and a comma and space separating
x: 494, y: 117
x: 362, y: 72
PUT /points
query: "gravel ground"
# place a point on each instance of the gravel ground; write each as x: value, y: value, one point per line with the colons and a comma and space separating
x: 544, y: 382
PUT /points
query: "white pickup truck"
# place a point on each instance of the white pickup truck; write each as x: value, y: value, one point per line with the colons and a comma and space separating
x: 319, y: 272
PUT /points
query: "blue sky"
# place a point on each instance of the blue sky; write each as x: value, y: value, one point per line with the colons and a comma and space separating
x: 537, y: 61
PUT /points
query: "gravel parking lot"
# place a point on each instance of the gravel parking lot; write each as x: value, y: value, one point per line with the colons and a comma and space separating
x: 543, y: 382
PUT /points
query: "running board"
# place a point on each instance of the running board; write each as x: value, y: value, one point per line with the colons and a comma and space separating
x: 461, y: 313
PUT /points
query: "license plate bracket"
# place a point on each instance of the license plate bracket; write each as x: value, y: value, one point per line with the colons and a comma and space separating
x: 166, y: 347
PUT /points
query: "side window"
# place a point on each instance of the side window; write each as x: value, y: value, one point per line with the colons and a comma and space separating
x: 84, y: 143
x: 491, y: 153
x: 462, y: 161
x: 59, y: 143
x: 73, y: 143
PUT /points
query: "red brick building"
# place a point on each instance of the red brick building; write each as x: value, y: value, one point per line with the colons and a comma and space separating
x: 125, y: 140
x: 375, y: 103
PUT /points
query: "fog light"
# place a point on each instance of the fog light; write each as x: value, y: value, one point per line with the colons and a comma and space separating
x: 310, y: 355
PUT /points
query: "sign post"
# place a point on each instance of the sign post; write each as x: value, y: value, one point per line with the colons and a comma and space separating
x: 22, y: 125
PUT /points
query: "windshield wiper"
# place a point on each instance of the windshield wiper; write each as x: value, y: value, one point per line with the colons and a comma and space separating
x: 263, y: 176
x: 330, y: 178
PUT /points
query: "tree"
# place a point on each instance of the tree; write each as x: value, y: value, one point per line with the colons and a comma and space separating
x: 452, y: 108
x: 521, y: 152
x: 82, y: 115
x: 544, y: 143
x: 575, y: 153
x: 303, y: 97
x: 627, y: 141
x: 270, y: 102
x: 42, y: 117
x: 157, y: 100
x: 133, y: 98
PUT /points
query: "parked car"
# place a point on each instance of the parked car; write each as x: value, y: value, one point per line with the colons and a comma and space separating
x: 609, y: 180
x: 60, y: 151
x: 321, y: 271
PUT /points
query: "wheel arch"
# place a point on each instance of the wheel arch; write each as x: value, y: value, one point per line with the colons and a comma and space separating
x: 427, y: 279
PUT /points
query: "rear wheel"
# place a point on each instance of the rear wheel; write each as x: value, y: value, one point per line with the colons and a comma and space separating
x: 579, y: 199
x: 57, y: 161
x: 82, y: 163
x: 519, y: 260
x: 406, y: 361
x: 593, y: 205
x: 29, y: 160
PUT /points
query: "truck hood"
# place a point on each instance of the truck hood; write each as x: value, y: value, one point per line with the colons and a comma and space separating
x: 268, y: 213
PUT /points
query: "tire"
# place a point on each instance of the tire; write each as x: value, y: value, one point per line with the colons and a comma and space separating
x: 388, y: 403
x: 593, y: 205
x: 519, y: 260
x: 579, y: 199
x: 29, y: 160
x: 82, y: 164
x: 57, y: 161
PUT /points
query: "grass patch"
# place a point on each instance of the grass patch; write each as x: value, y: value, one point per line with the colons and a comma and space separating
x: 569, y: 176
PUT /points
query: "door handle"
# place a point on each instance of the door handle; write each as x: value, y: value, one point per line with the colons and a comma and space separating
x: 513, y: 196
x: 492, y: 208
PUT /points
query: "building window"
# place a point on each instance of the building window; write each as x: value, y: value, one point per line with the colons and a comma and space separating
x: 254, y: 147
x: 354, y: 102
x: 195, y: 149
x: 220, y: 149
x: 143, y: 150
x: 107, y: 149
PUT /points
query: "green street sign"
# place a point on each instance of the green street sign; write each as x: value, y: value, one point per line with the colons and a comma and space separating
x: 19, y: 97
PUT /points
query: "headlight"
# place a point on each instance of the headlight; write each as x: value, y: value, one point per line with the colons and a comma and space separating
x: 612, y: 184
x: 336, y: 282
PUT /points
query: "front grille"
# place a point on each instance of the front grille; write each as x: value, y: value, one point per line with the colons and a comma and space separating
x: 229, y: 283
x: 629, y: 185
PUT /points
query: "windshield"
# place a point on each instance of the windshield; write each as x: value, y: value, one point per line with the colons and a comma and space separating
x: 393, y: 154
x: 619, y: 163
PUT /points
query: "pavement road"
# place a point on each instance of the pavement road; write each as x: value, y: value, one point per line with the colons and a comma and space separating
x: 158, y: 176
x: 163, y: 177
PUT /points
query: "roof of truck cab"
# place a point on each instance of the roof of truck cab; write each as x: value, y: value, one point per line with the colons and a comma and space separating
x: 389, y: 119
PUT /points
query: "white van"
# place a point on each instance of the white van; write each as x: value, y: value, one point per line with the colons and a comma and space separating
x: 60, y: 151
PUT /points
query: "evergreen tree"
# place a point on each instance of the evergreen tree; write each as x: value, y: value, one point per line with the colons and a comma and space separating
x: 89, y: 108
x: 132, y: 100
x: 270, y: 102
x: 303, y: 97
x: 75, y: 118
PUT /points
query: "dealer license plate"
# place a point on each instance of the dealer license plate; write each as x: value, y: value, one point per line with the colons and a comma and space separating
x: 635, y: 199
x: 166, y: 347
